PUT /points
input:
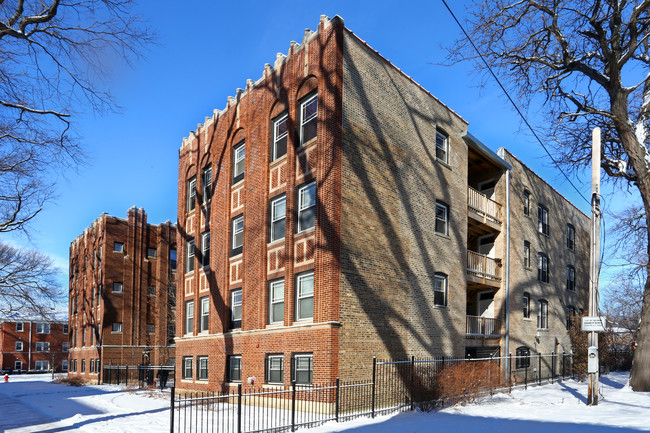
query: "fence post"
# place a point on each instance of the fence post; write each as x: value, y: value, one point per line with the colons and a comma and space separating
x: 336, y: 407
x: 563, y: 370
x: 293, y: 405
x: 553, y: 367
x: 412, y: 382
x: 539, y: 369
x: 171, y: 412
x: 239, y: 408
x: 510, y: 372
x: 374, y: 384
x: 526, y: 377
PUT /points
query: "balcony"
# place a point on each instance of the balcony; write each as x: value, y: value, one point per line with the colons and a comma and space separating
x: 483, y: 270
x: 482, y: 327
x: 483, y: 209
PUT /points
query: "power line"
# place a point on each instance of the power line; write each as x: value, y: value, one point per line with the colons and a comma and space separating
x: 513, y: 103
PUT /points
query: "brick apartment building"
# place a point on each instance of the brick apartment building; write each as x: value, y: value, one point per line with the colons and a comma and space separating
x: 122, y: 294
x: 335, y: 211
x: 30, y: 344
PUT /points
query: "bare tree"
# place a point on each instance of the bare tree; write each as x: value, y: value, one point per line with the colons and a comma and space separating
x: 586, y: 63
x: 53, y: 59
x: 27, y: 282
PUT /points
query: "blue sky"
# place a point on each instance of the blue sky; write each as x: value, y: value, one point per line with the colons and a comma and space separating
x: 205, y: 51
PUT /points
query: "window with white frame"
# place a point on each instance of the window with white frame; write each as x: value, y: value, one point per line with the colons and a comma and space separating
x: 42, y: 328
x: 118, y: 247
x: 204, y: 326
x: 92, y: 365
x: 205, y: 249
x: 18, y: 365
x: 440, y: 289
x: 64, y: 346
x: 152, y: 253
x: 191, y: 194
x: 276, y: 301
x: 278, y: 210
x: 274, y: 369
x: 118, y: 287
x: 234, y: 368
x: 41, y: 365
x: 542, y: 314
x: 308, y: 119
x: 206, y: 176
x: 302, y: 370
x: 235, y: 308
x: 42, y: 346
x: 116, y: 327
x: 570, y: 278
x: 238, y: 162
x: 526, y: 305
x: 542, y: 220
x: 64, y: 365
x: 237, y: 241
x: 306, y: 206
x: 280, y: 134
x: 187, y: 367
x: 442, y: 147
x: 526, y: 254
x: 305, y: 296
x: 570, y: 237
x: 542, y: 268
x: 202, y: 367
x: 19, y: 346
x: 64, y: 328
x: 189, y: 317
x: 20, y: 326
x: 189, y: 256
x: 442, y: 218
x: 526, y: 202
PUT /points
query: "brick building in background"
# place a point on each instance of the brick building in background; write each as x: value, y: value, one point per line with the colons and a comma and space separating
x: 33, y: 345
x: 336, y: 211
x: 122, y: 294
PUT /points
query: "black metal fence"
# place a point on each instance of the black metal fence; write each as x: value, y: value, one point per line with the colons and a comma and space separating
x: 394, y: 386
x: 149, y: 375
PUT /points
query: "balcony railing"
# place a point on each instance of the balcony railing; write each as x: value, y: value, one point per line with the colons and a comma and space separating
x: 483, y: 267
x: 477, y: 326
x: 483, y: 205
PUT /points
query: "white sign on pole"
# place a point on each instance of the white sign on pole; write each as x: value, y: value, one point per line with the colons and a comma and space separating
x: 593, y: 323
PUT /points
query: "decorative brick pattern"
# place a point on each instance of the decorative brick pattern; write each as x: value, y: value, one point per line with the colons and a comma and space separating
x: 276, y: 260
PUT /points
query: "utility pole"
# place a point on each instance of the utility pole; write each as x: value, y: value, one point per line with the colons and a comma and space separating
x: 592, y: 398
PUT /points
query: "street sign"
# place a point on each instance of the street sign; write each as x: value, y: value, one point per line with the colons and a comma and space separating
x: 593, y: 323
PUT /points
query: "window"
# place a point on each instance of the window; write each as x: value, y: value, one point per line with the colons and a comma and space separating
x: 94, y: 296
x: 526, y: 254
x: 117, y: 327
x: 542, y: 220
x: 526, y: 305
x: 151, y: 252
x: 187, y: 367
x: 570, y: 278
x: 151, y: 328
x: 542, y: 268
x: 189, y: 261
x: 83, y: 337
x: 523, y: 357
x: 278, y: 218
x: 92, y: 366
x: 18, y: 365
x: 74, y: 365
x: 189, y: 317
x: 274, y: 369
x: 19, y: 346
x: 233, y: 365
x: 42, y: 346
x: 302, y: 368
x: 202, y: 367
x: 42, y: 328
x: 237, y: 242
x: 205, y: 314
x: 305, y: 296
x: 172, y: 260
x: 238, y: 162
x: 306, y: 206
x: 440, y: 289
x: 570, y: 316
x: 20, y: 326
x: 276, y: 301
x: 118, y: 247
x: 207, y: 184
x: 64, y: 365
x: 235, y: 309
x: 542, y: 314
x: 99, y: 294
x: 45, y: 365
x: 442, y: 218
x: 118, y: 287
x: 151, y: 291
x: 64, y: 346
x: 97, y: 365
x: 205, y: 249
x: 442, y: 147
x: 308, y: 119
x: 570, y: 237
x: 64, y: 328
x: 526, y: 202
x: 191, y: 194
x: 280, y: 132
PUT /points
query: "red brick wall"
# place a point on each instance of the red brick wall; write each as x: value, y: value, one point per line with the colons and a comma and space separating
x: 9, y: 336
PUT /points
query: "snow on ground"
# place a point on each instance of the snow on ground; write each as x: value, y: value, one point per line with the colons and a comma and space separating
x: 35, y: 404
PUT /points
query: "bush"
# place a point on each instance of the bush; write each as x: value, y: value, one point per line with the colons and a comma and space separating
x: 580, y: 344
x: 463, y: 383
x: 69, y: 380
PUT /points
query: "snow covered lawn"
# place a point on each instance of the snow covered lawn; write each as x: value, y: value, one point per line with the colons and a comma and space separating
x: 34, y: 404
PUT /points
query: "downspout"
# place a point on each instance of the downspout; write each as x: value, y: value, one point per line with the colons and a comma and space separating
x: 507, y: 275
